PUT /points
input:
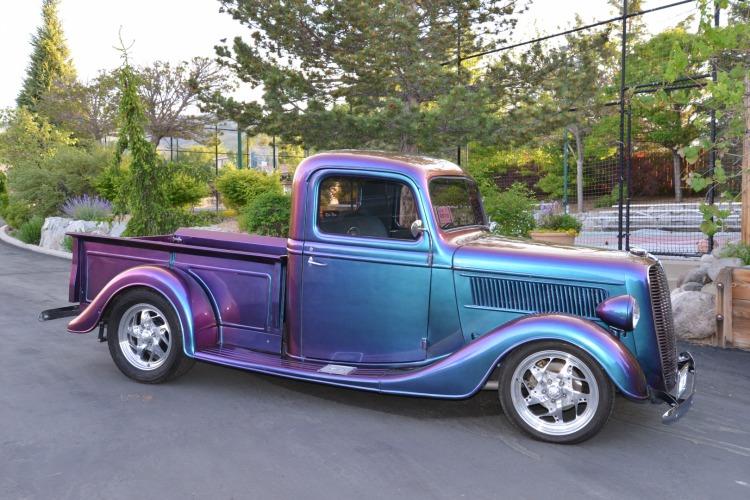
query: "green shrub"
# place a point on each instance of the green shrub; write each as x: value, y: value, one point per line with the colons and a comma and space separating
x: 110, y: 184
x: 31, y: 231
x: 512, y: 210
x: 68, y: 172
x: 3, y: 193
x: 239, y: 187
x: 613, y: 198
x: 268, y: 214
x: 67, y: 243
x: 16, y: 212
x: 565, y: 223
x: 184, y: 189
x: 201, y: 218
x: 739, y: 250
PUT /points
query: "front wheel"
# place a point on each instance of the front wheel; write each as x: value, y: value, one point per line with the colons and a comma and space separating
x: 145, y: 338
x: 555, y: 392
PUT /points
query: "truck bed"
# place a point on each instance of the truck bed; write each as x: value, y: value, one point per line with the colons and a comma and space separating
x: 243, y: 275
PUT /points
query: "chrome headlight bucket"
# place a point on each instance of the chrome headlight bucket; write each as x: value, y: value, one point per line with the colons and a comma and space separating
x: 621, y: 312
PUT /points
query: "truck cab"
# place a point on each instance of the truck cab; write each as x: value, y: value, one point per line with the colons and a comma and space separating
x: 391, y: 280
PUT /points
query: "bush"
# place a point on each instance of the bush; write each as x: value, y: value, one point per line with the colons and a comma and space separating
x: 565, y: 223
x: 239, y: 187
x: 16, y: 213
x: 3, y: 193
x: 612, y: 198
x: 68, y: 172
x: 184, y: 190
x: 202, y: 218
x: 513, y: 210
x: 268, y: 214
x: 739, y: 250
x: 31, y: 231
x: 87, y: 208
x: 67, y: 243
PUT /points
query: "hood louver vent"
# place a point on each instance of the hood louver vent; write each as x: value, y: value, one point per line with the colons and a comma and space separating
x: 534, y: 297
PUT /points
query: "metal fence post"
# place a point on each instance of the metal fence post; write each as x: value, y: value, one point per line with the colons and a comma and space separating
x: 239, y: 147
x: 628, y: 175
x: 622, y: 120
x: 566, y: 147
x: 712, y: 153
x: 273, y: 145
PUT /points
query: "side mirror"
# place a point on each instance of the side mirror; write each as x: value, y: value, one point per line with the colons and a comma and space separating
x: 417, y: 227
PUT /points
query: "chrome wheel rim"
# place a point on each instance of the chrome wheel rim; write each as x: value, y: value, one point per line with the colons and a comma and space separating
x: 554, y: 392
x: 145, y: 337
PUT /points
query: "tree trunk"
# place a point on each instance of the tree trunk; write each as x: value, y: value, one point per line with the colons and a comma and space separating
x: 407, y: 141
x: 745, y: 216
x: 579, y: 166
x: 677, y: 175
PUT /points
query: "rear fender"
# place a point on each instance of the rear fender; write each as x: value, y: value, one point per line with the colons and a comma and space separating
x: 189, y: 300
x: 465, y: 372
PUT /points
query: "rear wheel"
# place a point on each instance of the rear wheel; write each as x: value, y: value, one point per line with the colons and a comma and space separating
x: 555, y: 392
x: 145, y: 338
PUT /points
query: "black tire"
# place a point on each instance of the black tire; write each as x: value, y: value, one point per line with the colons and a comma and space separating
x: 174, y: 364
x: 594, y: 420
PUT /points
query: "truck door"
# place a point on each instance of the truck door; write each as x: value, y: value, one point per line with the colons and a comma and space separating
x: 366, y: 279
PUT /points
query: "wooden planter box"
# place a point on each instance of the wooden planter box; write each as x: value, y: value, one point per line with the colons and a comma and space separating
x: 553, y: 237
x: 732, y: 308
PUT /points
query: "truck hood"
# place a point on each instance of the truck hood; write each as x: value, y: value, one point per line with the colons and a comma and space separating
x: 494, y: 254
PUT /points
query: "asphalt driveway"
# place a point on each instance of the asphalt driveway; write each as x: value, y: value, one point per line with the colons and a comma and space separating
x: 71, y: 426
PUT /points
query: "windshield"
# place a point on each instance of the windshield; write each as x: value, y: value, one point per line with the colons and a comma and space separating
x: 456, y: 202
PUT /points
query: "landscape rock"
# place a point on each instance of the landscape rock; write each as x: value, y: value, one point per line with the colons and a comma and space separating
x: 707, y: 258
x: 697, y: 275
x: 54, y: 229
x: 709, y: 288
x: 694, y: 315
x: 692, y: 286
x: 719, y: 264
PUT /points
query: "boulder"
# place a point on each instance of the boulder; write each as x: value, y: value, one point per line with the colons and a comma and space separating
x: 694, y: 315
x: 692, y: 286
x: 54, y: 229
x: 718, y: 264
x: 696, y: 275
x: 707, y: 258
x: 53, y: 232
x: 709, y: 288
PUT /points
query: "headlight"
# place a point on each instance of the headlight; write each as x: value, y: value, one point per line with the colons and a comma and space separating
x: 622, y: 312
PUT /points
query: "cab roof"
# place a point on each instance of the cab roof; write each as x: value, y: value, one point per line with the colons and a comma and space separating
x: 414, y: 166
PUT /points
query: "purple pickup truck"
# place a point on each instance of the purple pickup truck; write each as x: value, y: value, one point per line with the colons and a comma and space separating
x: 392, y: 281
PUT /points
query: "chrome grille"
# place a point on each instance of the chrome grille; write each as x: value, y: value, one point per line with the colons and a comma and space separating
x: 530, y: 296
x: 661, y: 305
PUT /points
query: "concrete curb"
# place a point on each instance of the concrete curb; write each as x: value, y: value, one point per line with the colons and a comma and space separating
x: 10, y: 240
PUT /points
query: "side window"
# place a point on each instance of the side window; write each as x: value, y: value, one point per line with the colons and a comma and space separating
x: 366, y: 207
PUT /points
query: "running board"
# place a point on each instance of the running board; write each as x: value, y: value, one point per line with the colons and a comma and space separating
x: 273, y: 364
x: 60, y: 312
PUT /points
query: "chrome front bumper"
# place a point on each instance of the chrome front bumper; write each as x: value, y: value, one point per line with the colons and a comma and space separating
x: 680, y: 399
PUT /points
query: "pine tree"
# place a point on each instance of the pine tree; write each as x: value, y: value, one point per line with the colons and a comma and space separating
x: 50, y: 59
x: 145, y: 193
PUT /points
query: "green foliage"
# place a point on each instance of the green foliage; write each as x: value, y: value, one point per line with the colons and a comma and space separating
x: 3, y: 193
x: 50, y: 58
x: 16, y: 213
x: 267, y: 214
x: 188, y: 183
x: 240, y: 187
x: 29, y: 139
x: 713, y: 218
x: 564, y: 223
x: 146, y: 190
x: 67, y: 172
x: 739, y: 250
x: 513, y: 210
x: 350, y: 81
x: 67, y: 243
x: 31, y: 231
x: 613, y: 198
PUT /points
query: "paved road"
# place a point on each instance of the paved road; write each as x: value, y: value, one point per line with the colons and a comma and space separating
x: 71, y: 426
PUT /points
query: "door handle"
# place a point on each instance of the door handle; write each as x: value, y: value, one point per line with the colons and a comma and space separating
x: 313, y: 262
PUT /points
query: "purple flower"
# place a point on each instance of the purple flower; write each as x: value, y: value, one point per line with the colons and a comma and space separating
x: 87, y: 208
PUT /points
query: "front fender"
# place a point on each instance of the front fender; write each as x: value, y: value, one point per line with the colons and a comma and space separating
x: 465, y: 372
x: 190, y: 302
